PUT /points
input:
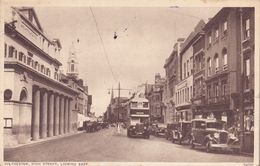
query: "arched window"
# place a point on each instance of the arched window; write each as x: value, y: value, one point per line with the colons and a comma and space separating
x: 72, y: 67
x: 209, y: 66
x: 216, y: 63
x: 7, y: 94
x: 224, y: 54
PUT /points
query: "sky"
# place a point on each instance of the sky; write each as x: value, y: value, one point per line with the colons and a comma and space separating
x: 145, y: 38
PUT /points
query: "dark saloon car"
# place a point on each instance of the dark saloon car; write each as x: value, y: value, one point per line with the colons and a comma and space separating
x: 183, y: 132
x: 211, y: 134
x: 138, y: 130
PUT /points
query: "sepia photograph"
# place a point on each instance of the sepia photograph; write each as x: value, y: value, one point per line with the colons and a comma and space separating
x: 129, y: 84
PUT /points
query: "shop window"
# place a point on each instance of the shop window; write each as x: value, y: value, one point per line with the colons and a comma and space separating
x: 249, y: 120
x: 8, y: 123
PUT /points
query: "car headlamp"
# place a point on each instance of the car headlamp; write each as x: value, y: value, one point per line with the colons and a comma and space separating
x: 134, y: 127
x: 216, y: 135
x: 145, y: 127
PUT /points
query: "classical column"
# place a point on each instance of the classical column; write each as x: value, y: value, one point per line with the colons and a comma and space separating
x: 36, y: 114
x: 66, y: 115
x: 69, y: 115
x: 50, y: 114
x: 43, y: 114
x: 61, y: 120
x: 56, y: 115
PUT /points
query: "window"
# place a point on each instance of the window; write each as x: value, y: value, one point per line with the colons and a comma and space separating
x: 20, y: 56
x: 224, y: 87
x: 42, y: 69
x: 188, y: 65
x: 216, y: 90
x: 216, y: 33
x: 191, y: 93
x: 8, y: 123
x: 134, y: 104
x: 224, y: 53
x: 210, y: 39
x: 145, y: 105
x: 209, y: 66
x: 247, y: 29
x: 208, y: 91
x: 216, y: 63
x: 247, y: 73
x: 225, y: 27
x: 11, y: 51
x: 36, y: 65
x: 8, y: 94
x: 5, y: 49
x: 72, y: 67
x: 29, y: 59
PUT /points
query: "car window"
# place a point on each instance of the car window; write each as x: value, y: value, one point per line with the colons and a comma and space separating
x: 200, y: 125
x: 215, y: 125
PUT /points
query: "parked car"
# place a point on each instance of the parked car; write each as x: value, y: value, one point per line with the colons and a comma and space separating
x: 183, y: 132
x: 170, y: 129
x: 211, y: 134
x: 160, y: 131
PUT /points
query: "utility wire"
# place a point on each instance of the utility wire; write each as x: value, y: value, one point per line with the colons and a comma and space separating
x: 103, y: 46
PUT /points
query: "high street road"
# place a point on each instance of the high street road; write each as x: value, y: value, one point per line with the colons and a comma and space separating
x: 105, y: 145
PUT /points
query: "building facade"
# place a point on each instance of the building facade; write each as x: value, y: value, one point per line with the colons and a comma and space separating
x: 171, y: 67
x: 36, y: 104
x: 184, y: 89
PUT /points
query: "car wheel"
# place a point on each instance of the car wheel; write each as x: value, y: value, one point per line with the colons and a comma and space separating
x: 208, y: 146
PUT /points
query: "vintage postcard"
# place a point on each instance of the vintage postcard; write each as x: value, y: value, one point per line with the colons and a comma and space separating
x: 129, y: 83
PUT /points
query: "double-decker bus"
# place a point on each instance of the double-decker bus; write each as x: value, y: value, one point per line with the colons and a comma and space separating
x: 138, y: 117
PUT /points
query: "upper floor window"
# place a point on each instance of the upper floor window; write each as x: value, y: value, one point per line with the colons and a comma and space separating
x: 184, y: 70
x: 11, y: 51
x: 20, y: 56
x: 42, y: 69
x: 225, y: 27
x: 210, y: 39
x: 209, y: 91
x: 209, y: 66
x: 247, y: 28
x: 224, y: 87
x: 216, y: 90
x: 216, y: 33
x: 5, y: 49
x: 247, y: 72
x: 188, y: 64
x: 224, y: 54
x: 216, y: 63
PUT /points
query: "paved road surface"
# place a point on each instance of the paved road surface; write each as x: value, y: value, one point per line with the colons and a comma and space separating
x: 106, y: 146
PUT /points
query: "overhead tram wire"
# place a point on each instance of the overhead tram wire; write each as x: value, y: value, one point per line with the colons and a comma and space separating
x: 103, y: 46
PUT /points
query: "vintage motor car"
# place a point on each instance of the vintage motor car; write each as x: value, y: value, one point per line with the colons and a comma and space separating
x: 211, y: 134
x: 138, y: 130
x: 161, y: 130
x: 183, y: 132
x: 170, y: 129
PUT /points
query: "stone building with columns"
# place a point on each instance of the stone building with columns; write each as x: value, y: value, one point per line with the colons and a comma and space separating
x: 36, y: 103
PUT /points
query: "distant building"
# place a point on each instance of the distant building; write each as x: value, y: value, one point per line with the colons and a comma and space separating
x: 172, y: 71
x: 36, y: 104
x: 154, y: 94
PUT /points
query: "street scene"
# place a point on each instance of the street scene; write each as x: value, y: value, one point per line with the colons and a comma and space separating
x: 129, y: 84
x: 105, y: 145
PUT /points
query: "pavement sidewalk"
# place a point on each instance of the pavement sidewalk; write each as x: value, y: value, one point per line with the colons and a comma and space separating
x: 43, y: 140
